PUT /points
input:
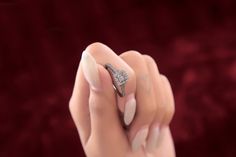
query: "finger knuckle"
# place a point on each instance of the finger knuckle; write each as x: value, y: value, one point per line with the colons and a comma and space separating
x: 134, y: 55
x: 169, y: 113
x: 149, y: 111
x: 170, y: 104
x: 148, y: 58
x: 161, y: 107
x: 150, y: 61
x: 96, y: 108
x: 95, y: 48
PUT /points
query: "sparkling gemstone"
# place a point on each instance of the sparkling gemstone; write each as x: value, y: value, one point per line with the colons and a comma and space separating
x: 121, y: 77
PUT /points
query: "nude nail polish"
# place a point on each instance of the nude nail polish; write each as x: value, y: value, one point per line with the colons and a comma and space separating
x: 130, y: 109
x: 153, y: 138
x: 139, y: 138
x: 90, y: 70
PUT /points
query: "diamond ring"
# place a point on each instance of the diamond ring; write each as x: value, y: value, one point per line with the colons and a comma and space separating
x: 119, y: 78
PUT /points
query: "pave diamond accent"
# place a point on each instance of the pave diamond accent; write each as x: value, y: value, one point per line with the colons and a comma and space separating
x: 119, y: 78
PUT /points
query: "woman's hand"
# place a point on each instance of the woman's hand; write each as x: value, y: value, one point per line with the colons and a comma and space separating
x: 147, y: 107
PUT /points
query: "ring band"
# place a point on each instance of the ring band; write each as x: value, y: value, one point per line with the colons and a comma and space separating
x: 119, y: 78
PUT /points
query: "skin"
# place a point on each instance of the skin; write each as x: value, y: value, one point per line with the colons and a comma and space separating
x: 95, y: 112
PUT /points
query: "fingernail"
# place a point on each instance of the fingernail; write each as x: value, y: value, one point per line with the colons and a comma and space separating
x: 153, y: 138
x: 90, y: 70
x: 130, y: 109
x: 139, y: 138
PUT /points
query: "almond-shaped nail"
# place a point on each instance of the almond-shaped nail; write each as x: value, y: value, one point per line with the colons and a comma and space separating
x: 90, y: 70
x: 130, y: 109
x: 153, y: 138
x: 139, y: 138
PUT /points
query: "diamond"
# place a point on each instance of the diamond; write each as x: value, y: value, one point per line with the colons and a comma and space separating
x: 120, y: 77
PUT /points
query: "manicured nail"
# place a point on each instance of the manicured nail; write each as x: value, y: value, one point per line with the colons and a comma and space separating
x: 139, y: 139
x: 153, y: 138
x: 90, y: 70
x: 130, y: 109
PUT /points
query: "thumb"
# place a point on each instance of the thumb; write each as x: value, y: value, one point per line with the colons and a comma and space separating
x: 104, y: 115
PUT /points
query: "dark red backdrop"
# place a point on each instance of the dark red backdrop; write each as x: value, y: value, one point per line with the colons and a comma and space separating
x: 194, y: 44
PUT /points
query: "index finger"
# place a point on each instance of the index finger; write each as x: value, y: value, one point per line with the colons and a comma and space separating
x: 103, y: 55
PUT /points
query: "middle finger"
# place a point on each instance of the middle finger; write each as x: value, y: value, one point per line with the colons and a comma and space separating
x: 146, y: 107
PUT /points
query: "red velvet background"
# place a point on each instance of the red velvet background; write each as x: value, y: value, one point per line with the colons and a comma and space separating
x: 193, y: 42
